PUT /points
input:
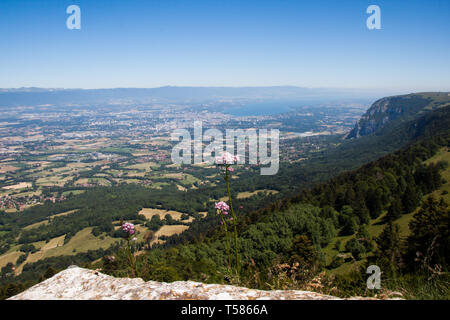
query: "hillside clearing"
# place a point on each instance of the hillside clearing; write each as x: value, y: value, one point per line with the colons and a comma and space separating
x: 150, y: 212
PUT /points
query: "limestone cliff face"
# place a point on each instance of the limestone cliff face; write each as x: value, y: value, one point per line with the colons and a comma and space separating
x: 375, y: 118
x: 397, y: 108
x: 77, y: 283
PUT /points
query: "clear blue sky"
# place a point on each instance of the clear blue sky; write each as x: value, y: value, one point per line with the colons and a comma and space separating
x: 145, y: 43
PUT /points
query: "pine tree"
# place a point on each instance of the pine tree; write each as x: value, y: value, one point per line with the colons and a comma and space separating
x: 429, y: 240
x: 411, y: 198
x: 394, y: 210
x: 303, y: 252
x: 374, y: 203
x: 388, y: 254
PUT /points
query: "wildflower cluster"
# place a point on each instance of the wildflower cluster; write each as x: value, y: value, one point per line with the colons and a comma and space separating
x: 226, y: 159
x: 224, y: 162
x: 128, y: 228
x: 222, y: 207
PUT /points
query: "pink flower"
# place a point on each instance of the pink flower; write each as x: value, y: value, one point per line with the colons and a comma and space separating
x: 223, y: 207
x: 128, y: 228
x: 230, y: 169
x: 227, y: 158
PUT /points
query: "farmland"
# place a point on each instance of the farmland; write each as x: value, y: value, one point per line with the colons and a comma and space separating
x: 67, y: 177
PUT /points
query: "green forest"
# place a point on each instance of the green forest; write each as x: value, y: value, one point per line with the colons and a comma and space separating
x: 360, y: 204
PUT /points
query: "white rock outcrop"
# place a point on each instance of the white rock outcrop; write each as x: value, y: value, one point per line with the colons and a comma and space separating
x: 77, y: 283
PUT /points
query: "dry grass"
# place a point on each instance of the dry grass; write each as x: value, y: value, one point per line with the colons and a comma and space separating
x: 33, y: 257
x: 147, y: 166
x: 10, y: 257
x: 21, y: 185
x: 181, y: 188
x: 82, y: 241
x: 243, y: 195
x: 35, y: 225
x: 149, y: 213
x: 54, y: 243
x: 168, y: 231
x: 4, y: 169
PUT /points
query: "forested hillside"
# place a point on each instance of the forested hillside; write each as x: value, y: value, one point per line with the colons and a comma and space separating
x: 285, y: 241
x: 284, y: 246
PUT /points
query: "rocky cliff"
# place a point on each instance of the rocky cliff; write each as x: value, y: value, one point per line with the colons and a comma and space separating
x: 398, y: 108
x: 77, y: 283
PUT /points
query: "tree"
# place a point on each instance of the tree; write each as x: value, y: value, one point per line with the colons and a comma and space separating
x: 411, y: 198
x: 356, y: 248
x: 429, y: 241
x: 387, y: 255
x: 169, y: 219
x: 8, y: 269
x: 162, y: 272
x: 148, y: 237
x: 49, y: 273
x: 303, y: 252
x: 394, y: 210
x: 374, y: 202
x: 349, y: 225
x: 364, y: 237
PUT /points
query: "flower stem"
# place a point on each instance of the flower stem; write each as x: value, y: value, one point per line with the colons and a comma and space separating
x: 228, y: 240
x: 131, y: 258
x: 227, y: 181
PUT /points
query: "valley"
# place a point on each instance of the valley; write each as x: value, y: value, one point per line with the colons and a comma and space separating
x: 64, y: 196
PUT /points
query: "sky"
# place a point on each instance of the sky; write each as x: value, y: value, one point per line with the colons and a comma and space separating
x: 146, y: 43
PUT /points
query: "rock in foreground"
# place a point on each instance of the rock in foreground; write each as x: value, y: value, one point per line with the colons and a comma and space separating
x: 77, y: 283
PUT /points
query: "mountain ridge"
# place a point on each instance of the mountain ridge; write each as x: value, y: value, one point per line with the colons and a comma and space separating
x: 387, y: 110
x: 18, y: 96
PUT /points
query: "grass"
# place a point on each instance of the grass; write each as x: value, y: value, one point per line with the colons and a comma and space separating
x: 37, y: 224
x: 168, y: 231
x: 82, y: 241
x: 147, y: 166
x: 158, y: 185
x: 243, y: 195
x: 442, y: 155
x: 53, y: 181
x: 42, y: 253
x: 135, y: 173
x: 182, y: 178
x: 73, y: 192
x: 150, y: 212
x: 10, y: 257
x: 21, y: 185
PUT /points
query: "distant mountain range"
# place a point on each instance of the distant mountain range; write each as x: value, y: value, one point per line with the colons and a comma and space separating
x: 36, y: 96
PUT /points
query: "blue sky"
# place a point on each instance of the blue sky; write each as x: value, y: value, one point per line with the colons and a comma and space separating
x: 145, y: 43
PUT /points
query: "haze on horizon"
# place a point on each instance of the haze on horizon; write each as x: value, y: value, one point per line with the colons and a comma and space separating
x: 148, y: 44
